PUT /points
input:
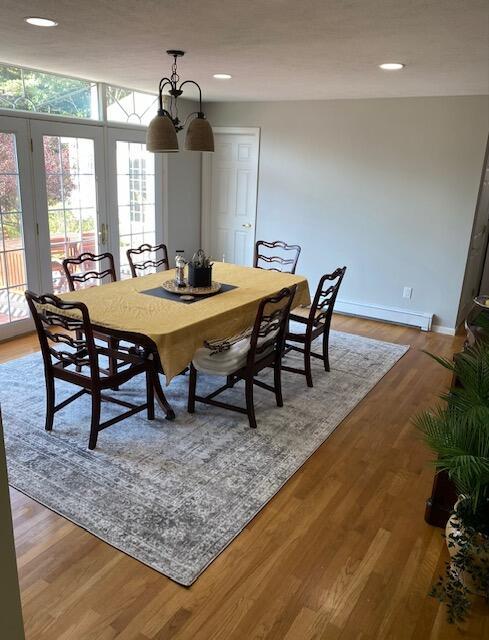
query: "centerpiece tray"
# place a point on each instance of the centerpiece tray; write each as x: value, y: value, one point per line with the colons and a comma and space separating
x: 171, y: 286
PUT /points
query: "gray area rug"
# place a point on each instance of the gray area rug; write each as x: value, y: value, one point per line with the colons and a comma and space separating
x: 175, y: 494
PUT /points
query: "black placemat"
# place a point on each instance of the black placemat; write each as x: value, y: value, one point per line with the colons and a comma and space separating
x: 159, y: 292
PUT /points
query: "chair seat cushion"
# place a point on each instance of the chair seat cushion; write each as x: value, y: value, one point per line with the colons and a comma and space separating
x: 303, y: 311
x: 233, y: 358
x: 222, y: 363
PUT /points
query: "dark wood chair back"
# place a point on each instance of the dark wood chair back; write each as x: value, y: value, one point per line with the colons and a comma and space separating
x: 67, y: 343
x: 317, y: 321
x: 287, y: 261
x: 65, y: 340
x: 88, y: 269
x: 269, y: 329
x: 267, y: 343
x: 324, y: 299
x: 152, y: 260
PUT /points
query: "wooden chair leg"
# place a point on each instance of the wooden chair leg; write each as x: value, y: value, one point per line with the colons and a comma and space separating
x: 160, y: 395
x: 307, y: 363
x: 250, y: 407
x: 150, y: 397
x: 94, y: 425
x: 192, y: 386
x: 50, y: 402
x: 326, y: 349
x: 79, y: 336
x: 113, y: 343
x: 277, y: 383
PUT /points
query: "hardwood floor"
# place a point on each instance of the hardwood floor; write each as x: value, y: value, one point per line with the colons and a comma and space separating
x: 341, y: 553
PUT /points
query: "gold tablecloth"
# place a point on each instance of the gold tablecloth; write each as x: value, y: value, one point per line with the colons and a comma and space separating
x: 179, y: 329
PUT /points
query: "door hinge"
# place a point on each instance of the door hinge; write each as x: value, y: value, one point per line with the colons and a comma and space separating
x: 32, y: 145
x: 37, y: 228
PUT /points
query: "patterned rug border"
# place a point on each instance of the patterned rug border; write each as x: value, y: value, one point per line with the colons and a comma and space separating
x: 36, y: 355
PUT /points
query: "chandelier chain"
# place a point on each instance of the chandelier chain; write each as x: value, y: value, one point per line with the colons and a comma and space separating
x: 174, y: 74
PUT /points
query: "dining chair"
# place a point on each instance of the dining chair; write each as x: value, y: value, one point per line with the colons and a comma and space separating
x: 153, y: 261
x: 68, y: 349
x: 288, y: 260
x: 245, y: 357
x: 81, y: 271
x: 309, y: 322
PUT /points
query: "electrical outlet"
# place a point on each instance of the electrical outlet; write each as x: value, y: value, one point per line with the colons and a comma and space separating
x: 407, y: 292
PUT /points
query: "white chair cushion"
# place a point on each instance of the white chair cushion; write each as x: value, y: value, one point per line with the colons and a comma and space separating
x: 224, y: 363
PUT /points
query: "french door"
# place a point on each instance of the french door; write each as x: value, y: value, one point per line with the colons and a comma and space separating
x: 70, y: 195
x: 135, y: 194
x: 18, y: 250
x: 66, y: 189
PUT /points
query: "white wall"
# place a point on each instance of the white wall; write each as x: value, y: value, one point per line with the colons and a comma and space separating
x: 184, y: 194
x: 387, y: 187
x: 184, y: 202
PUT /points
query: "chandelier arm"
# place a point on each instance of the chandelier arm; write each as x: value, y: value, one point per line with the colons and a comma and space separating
x: 200, y: 92
x: 162, y: 85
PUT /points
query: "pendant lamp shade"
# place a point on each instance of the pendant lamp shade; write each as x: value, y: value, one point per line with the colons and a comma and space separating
x: 199, y: 135
x: 161, y: 136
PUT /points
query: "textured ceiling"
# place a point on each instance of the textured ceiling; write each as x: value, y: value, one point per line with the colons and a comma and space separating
x: 275, y: 49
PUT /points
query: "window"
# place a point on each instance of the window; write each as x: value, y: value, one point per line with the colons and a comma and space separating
x: 69, y: 165
x: 13, y: 276
x: 137, y: 188
x: 40, y: 92
x: 125, y: 105
x: 136, y: 198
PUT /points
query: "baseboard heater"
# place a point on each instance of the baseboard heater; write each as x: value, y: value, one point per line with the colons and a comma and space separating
x: 388, y: 314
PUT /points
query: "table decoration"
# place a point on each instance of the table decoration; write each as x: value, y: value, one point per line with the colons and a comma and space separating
x: 187, y: 289
x: 200, y: 270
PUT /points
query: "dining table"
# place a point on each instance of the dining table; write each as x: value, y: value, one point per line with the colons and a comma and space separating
x: 140, y: 311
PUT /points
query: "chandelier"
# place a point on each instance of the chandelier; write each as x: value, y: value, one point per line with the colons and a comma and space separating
x: 162, y: 131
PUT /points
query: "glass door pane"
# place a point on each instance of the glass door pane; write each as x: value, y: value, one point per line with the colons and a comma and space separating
x: 69, y: 170
x: 135, y: 199
x: 71, y: 199
x: 135, y: 179
x: 13, y: 268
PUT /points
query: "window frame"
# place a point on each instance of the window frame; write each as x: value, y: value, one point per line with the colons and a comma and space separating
x: 29, y: 220
x: 25, y: 124
x: 115, y: 123
x: 102, y: 104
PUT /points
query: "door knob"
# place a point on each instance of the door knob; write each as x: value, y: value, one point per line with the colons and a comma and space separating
x: 247, y: 225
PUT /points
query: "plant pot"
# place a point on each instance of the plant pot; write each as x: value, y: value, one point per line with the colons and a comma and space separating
x: 453, y: 531
x: 199, y: 276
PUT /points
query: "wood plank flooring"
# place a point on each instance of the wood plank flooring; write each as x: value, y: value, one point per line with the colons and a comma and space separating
x: 341, y: 553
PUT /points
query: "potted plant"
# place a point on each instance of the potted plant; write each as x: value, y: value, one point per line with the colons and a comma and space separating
x: 458, y: 433
x: 200, y: 270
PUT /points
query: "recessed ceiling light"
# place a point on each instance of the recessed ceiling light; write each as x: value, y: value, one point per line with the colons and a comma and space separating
x: 222, y: 76
x: 392, y: 66
x: 41, y: 22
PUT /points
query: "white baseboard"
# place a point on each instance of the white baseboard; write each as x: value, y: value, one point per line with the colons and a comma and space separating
x: 449, y: 331
x: 388, y: 314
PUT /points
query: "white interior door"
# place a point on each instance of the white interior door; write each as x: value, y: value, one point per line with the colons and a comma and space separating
x: 136, y: 190
x: 69, y: 171
x: 229, y: 192
x: 18, y: 249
